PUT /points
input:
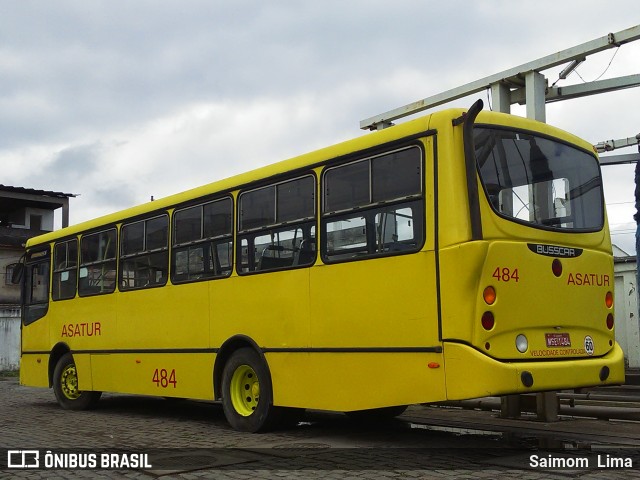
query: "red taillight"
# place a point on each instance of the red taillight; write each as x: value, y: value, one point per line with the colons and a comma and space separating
x: 487, y: 320
x: 610, y: 321
x: 608, y: 300
x: 556, y: 267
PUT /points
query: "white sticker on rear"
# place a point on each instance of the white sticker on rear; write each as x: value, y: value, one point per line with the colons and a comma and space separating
x: 589, y: 347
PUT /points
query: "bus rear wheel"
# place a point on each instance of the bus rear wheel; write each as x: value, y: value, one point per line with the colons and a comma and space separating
x: 247, y: 393
x: 65, y: 386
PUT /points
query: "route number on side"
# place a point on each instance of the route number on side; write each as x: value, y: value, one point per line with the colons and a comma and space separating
x: 163, y: 378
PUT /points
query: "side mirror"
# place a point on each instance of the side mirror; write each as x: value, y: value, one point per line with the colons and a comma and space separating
x: 18, y: 273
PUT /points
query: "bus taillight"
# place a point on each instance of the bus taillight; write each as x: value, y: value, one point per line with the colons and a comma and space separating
x: 556, y: 267
x: 487, y: 320
x: 608, y: 300
x: 489, y: 295
x: 610, y: 321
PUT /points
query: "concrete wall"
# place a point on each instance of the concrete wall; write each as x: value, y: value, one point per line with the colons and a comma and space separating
x: 9, y: 338
x: 627, y: 320
x: 22, y: 218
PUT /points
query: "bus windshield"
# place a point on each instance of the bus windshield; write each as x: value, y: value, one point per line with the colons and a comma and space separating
x: 534, y: 180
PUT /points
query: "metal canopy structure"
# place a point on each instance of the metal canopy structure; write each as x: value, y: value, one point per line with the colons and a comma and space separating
x: 525, y: 83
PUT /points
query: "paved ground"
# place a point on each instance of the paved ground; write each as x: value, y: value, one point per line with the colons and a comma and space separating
x: 191, y: 440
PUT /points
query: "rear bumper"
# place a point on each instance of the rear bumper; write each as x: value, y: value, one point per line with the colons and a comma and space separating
x: 471, y: 374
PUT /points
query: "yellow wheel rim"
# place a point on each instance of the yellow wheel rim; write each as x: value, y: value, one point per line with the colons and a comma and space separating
x: 69, y: 382
x: 244, y: 390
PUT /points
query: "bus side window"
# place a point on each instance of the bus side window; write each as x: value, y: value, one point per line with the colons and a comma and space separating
x: 373, y: 207
x: 97, y: 263
x: 276, y: 226
x: 65, y: 273
x: 280, y: 248
x: 144, y: 253
x: 36, y: 289
x: 202, y: 241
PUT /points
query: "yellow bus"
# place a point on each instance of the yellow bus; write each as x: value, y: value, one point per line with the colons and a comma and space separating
x: 458, y: 255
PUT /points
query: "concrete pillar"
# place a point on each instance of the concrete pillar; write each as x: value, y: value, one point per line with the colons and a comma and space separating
x: 510, y: 406
x: 501, y: 97
x: 547, y: 406
x: 535, y: 88
x: 65, y: 213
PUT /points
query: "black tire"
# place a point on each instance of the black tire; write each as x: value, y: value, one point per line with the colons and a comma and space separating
x: 247, y: 394
x: 65, y: 386
x: 376, y: 414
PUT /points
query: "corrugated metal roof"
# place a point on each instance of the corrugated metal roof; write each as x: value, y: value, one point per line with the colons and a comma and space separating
x: 33, y: 191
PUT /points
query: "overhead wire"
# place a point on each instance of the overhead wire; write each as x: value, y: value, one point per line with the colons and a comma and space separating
x: 605, y: 70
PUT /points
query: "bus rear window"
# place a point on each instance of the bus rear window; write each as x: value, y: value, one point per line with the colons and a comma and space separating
x: 539, y: 181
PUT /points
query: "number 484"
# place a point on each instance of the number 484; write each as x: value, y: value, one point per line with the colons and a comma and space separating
x: 163, y: 378
x: 505, y: 274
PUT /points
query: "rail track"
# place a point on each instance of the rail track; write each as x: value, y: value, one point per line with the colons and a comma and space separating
x: 604, y: 417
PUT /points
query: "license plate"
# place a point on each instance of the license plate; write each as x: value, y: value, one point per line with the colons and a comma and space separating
x: 557, y: 339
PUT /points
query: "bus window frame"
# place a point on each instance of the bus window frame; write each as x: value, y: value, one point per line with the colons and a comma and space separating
x: 216, y: 240
x: 74, y: 268
x: 373, y: 208
x: 40, y: 309
x: 145, y: 252
x: 539, y: 226
x: 82, y: 265
x: 308, y: 223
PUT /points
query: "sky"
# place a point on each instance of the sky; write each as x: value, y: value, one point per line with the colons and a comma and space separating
x: 117, y: 101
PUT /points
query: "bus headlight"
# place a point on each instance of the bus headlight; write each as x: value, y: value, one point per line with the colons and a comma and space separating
x: 522, y: 344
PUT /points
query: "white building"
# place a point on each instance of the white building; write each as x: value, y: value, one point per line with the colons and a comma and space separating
x: 626, y: 306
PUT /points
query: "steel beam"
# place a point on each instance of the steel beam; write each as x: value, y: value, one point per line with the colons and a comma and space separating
x: 610, y: 145
x: 556, y: 94
x: 620, y: 159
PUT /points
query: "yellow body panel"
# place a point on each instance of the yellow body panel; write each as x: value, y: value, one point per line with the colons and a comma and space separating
x: 539, y: 303
x: 184, y: 375
x: 175, y: 316
x: 271, y: 308
x: 84, y: 323
x: 35, y: 336
x: 386, y: 302
x: 33, y: 369
x: 355, y: 381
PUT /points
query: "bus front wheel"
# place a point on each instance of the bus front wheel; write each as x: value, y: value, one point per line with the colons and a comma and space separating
x: 247, y: 393
x: 65, y: 386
